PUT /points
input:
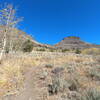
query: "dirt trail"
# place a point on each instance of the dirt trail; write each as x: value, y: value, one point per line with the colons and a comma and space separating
x: 34, y: 87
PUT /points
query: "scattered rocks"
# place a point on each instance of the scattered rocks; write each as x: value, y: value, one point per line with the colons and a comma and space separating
x: 58, y: 70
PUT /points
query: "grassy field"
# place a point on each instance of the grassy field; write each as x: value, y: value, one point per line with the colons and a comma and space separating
x: 50, y: 76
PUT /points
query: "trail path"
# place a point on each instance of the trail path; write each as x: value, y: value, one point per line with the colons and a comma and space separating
x: 34, y: 87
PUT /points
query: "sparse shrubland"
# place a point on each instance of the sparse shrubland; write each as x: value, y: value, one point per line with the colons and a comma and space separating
x: 65, y: 50
x: 11, y: 73
x: 41, y: 72
x: 91, y: 94
x: 41, y: 49
x: 91, y: 51
x: 65, y: 76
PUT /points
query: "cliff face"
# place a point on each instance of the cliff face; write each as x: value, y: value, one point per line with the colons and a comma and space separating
x: 74, y: 43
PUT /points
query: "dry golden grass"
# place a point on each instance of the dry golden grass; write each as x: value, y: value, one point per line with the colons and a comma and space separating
x: 13, y: 69
x: 11, y: 77
x: 12, y: 72
x: 74, y: 59
x: 91, y: 51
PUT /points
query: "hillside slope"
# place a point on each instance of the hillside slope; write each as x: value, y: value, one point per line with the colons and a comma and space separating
x: 19, y: 37
x: 74, y: 43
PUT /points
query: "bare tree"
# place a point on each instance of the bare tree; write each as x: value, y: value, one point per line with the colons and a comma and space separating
x: 9, y: 21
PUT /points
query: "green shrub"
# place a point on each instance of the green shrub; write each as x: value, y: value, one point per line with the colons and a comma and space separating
x: 58, y: 85
x: 91, y: 94
x: 27, y: 46
x: 41, y: 49
x: 78, y: 51
x: 73, y: 85
x: 65, y: 50
x: 94, y: 74
x: 51, y: 50
x: 49, y: 66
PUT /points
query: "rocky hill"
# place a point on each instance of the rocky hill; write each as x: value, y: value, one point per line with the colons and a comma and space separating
x: 73, y: 42
x: 18, y: 37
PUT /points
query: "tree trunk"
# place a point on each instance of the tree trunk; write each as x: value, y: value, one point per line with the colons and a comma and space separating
x: 3, y: 49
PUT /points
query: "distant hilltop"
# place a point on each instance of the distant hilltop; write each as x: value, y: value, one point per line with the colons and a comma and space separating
x: 72, y: 37
x: 73, y: 42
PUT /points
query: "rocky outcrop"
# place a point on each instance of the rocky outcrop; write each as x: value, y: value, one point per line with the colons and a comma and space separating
x: 74, y: 43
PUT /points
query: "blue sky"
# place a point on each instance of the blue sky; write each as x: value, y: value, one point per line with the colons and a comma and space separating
x: 48, y: 21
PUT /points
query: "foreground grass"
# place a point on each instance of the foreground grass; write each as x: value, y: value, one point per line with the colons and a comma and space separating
x: 67, y: 75
x: 12, y: 72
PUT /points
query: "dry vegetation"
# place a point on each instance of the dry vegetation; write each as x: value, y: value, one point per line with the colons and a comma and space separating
x: 93, y: 51
x: 56, y: 77
x: 32, y: 71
